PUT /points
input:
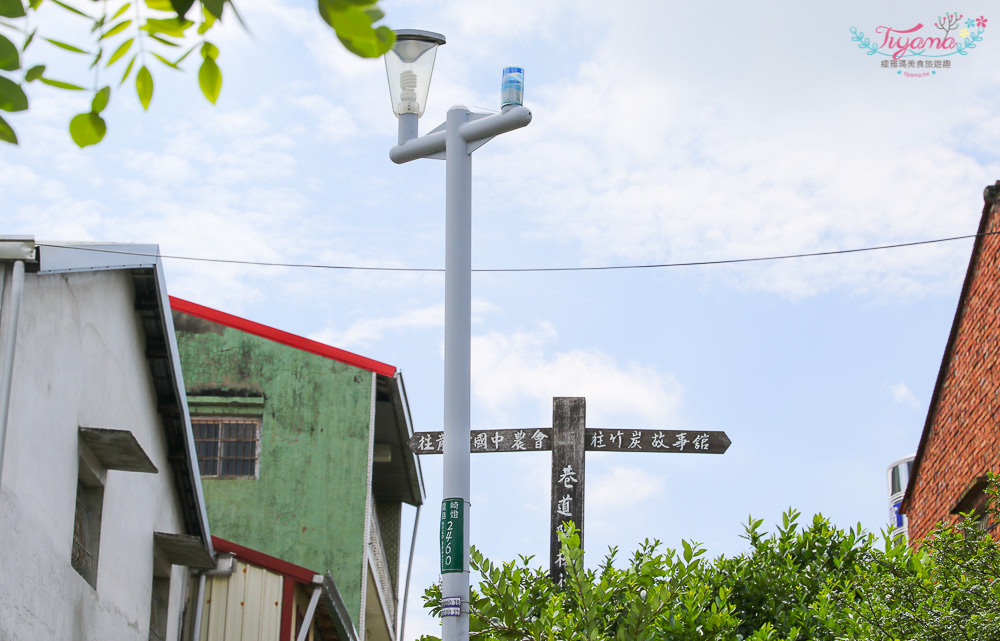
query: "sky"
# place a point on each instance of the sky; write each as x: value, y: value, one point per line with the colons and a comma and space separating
x: 662, y: 132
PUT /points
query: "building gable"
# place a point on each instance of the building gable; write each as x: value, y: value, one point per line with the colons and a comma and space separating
x: 960, y: 442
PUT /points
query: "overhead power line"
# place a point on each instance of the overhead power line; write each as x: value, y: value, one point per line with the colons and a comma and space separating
x: 695, y: 263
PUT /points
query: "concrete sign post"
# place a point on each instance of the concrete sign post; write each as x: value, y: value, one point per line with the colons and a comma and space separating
x: 568, y: 439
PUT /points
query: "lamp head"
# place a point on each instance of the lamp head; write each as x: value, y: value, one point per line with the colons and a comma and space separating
x: 409, y: 65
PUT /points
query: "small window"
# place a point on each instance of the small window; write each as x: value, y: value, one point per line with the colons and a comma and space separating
x: 227, y: 447
x: 159, y: 600
x: 87, y: 530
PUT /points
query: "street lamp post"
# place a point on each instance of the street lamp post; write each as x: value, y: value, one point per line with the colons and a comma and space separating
x: 409, y: 66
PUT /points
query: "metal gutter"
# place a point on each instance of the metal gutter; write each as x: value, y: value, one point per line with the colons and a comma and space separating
x: 414, y: 471
x: 409, y: 568
x: 17, y: 249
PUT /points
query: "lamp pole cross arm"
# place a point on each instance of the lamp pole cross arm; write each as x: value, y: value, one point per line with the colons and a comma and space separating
x: 474, y: 128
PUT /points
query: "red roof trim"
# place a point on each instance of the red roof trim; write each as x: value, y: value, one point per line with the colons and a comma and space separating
x: 279, y: 336
x: 266, y: 561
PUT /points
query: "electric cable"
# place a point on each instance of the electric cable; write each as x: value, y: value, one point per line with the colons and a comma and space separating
x: 696, y: 263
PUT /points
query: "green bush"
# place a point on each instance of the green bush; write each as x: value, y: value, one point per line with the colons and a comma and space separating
x: 815, y: 583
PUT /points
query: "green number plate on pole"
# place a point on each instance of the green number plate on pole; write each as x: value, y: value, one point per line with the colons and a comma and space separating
x: 452, y: 529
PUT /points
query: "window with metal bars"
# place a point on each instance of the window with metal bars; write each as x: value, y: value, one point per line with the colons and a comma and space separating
x: 227, y: 447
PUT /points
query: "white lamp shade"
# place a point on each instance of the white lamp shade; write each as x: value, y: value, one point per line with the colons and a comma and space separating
x: 409, y: 66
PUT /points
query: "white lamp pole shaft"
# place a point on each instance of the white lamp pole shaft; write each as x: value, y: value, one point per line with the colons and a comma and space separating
x: 462, y: 132
x: 457, y: 351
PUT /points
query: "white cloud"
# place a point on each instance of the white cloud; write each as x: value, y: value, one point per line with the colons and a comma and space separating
x: 618, y: 489
x: 510, y: 370
x: 367, y: 331
x: 651, y: 153
x: 901, y: 394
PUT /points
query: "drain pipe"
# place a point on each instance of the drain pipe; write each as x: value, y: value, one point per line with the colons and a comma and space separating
x: 12, y: 305
x: 409, y: 567
x: 198, y: 608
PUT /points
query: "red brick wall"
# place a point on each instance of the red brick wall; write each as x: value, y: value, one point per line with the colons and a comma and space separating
x: 963, y: 439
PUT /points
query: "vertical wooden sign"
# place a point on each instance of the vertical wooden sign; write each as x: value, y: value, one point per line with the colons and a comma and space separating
x: 569, y: 421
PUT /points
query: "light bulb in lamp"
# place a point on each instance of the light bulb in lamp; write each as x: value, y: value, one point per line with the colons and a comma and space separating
x: 409, y: 65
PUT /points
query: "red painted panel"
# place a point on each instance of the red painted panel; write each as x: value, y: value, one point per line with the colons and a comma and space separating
x: 287, y: 609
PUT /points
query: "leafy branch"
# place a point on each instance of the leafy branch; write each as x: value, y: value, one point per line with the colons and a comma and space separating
x: 163, y: 31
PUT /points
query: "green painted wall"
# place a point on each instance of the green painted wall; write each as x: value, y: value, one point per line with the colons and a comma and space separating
x: 308, y: 504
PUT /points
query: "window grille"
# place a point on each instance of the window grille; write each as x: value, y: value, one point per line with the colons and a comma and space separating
x: 227, y: 447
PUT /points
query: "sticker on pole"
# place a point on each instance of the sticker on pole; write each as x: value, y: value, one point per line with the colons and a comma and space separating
x: 451, y: 606
x: 452, y: 528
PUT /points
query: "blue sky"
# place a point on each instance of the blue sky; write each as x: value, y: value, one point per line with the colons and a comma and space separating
x: 662, y: 132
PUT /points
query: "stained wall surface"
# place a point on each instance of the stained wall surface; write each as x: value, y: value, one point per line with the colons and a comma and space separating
x: 80, y: 362
x: 307, y: 505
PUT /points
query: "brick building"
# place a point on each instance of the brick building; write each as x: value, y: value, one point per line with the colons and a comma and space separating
x: 960, y: 443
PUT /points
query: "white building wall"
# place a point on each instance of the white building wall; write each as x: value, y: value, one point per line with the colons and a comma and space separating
x: 80, y: 361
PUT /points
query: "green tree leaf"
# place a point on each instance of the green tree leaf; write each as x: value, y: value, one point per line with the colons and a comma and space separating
x: 353, y: 25
x: 128, y: 70
x: 185, y: 54
x: 208, y: 50
x: 9, y: 58
x: 210, y: 79
x: 181, y: 7
x: 11, y: 9
x: 87, y: 129
x: 34, y: 73
x: 172, y: 65
x: 121, y: 10
x: 72, y: 9
x: 101, y: 100
x: 162, y: 40
x: 169, y: 26
x: 59, y: 84
x: 115, y: 30
x: 65, y: 45
x: 12, y: 97
x: 214, y: 7
x: 120, y: 51
x: 144, y: 86
x: 7, y: 133
x: 27, y: 41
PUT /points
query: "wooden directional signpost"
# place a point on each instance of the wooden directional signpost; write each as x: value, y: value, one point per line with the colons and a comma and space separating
x: 568, y: 439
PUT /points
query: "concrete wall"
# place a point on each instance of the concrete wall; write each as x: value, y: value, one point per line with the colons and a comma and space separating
x: 963, y: 441
x: 307, y: 505
x: 80, y: 361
